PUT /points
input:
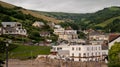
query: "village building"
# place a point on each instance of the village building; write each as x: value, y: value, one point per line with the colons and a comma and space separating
x: 51, y: 24
x: 115, y: 37
x: 45, y: 34
x: 66, y: 34
x: 13, y: 28
x: 80, y: 52
x: 38, y: 24
x: 98, y: 36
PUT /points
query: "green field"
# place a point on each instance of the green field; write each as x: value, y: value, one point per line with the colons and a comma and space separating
x: 103, y: 24
x: 27, y: 52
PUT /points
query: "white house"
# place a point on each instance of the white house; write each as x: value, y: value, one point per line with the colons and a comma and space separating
x: 80, y: 52
x: 57, y: 26
x: 13, y: 28
x: 62, y: 50
x: 113, y: 38
x: 87, y: 52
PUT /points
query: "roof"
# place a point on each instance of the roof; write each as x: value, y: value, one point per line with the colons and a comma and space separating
x: 12, y: 24
x: 113, y: 36
x: 3, y: 23
x: 40, y: 23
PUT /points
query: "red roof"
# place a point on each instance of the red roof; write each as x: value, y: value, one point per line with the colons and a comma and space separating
x: 113, y: 36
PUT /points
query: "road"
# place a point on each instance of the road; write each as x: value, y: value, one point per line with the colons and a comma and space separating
x: 52, y: 63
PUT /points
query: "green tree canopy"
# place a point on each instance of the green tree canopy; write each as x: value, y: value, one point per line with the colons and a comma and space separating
x: 114, y: 55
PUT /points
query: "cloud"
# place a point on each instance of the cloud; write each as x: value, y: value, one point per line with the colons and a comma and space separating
x: 73, y: 6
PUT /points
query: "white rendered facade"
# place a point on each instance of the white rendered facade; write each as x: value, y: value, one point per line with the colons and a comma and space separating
x: 87, y: 52
x: 83, y: 52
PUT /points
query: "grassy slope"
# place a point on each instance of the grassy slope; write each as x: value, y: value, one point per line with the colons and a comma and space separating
x: 6, y: 5
x: 25, y: 11
x: 25, y: 52
x: 103, y: 24
x: 41, y: 16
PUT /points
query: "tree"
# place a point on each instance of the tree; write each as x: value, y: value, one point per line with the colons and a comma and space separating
x: 114, y: 55
x: 3, y: 49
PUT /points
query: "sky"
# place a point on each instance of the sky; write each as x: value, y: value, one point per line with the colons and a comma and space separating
x: 70, y: 6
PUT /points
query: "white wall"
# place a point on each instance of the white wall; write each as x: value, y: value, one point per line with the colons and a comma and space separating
x: 80, y: 50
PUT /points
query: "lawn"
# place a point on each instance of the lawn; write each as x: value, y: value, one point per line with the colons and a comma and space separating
x: 27, y: 52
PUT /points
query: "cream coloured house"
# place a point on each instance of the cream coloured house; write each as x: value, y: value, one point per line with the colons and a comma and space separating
x: 98, y: 36
x: 38, y: 24
x: 66, y: 34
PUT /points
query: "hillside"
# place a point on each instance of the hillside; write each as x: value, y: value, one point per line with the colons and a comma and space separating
x: 22, y: 46
x: 11, y: 13
x: 25, y: 11
x: 97, y: 20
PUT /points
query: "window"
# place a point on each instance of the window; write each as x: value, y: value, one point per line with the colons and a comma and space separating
x: 6, y: 31
x: 87, y: 48
x: 79, y: 48
x: 72, y: 48
x: 79, y: 54
x: 92, y: 54
x: 99, y: 53
x: 92, y: 48
x: 79, y: 59
x: 54, y: 48
x: 88, y: 54
x: 10, y: 31
x: 59, y: 48
x: 96, y: 54
x: 72, y: 54
x: 84, y: 54
x: 96, y: 48
x: 7, y: 25
x: 99, y: 48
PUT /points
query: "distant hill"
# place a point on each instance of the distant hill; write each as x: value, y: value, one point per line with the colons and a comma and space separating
x: 97, y: 20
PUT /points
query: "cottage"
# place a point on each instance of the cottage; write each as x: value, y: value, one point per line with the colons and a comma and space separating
x: 38, y: 24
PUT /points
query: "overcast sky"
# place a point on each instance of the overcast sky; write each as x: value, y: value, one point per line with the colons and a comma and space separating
x: 72, y: 6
